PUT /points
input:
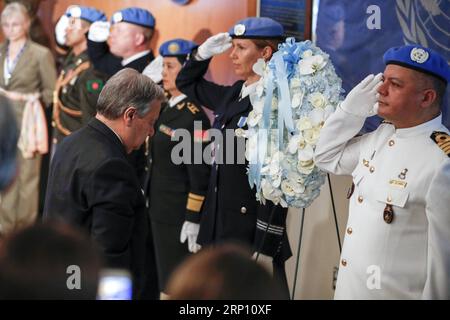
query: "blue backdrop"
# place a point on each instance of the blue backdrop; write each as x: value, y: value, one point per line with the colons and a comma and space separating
x: 357, y: 50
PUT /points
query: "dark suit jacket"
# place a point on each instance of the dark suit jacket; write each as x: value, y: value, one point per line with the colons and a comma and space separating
x: 92, y: 185
x: 231, y: 209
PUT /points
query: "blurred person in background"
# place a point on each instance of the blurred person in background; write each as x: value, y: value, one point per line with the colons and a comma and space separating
x: 27, y: 79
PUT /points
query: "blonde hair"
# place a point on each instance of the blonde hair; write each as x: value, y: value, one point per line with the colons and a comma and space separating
x: 15, y: 8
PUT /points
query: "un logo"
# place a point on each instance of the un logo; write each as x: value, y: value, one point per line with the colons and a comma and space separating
x: 424, y: 22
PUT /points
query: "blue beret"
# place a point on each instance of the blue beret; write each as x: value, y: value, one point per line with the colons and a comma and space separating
x: 177, y: 47
x: 419, y: 58
x: 253, y: 28
x: 86, y: 13
x: 138, y: 16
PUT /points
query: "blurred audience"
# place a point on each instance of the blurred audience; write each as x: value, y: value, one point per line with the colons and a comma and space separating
x: 224, y: 272
x: 42, y: 261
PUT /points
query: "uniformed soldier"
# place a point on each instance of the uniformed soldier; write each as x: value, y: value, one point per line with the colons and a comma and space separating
x: 231, y: 211
x: 129, y: 41
x: 79, y: 84
x: 397, y: 238
x: 177, y: 191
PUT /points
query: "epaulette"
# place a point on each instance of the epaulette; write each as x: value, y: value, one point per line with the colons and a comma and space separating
x: 192, y: 108
x: 442, y: 139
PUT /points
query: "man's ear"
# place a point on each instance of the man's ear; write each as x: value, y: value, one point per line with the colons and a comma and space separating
x: 129, y: 115
x: 139, y: 38
x: 429, y: 97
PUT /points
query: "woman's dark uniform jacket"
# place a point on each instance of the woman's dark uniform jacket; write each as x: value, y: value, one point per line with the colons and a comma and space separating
x: 231, y: 210
x: 176, y: 191
x: 93, y: 186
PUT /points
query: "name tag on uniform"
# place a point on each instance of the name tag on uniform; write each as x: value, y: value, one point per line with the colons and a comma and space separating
x: 398, y: 183
x: 166, y: 130
x: 242, y: 121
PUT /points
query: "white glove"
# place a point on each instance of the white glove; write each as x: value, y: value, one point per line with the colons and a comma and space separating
x: 99, y: 31
x: 214, y: 45
x: 60, y: 30
x: 189, y: 231
x: 362, y: 99
x: 154, y: 69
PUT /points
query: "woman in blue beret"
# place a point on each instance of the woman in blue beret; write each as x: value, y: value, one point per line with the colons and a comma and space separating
x: 231, y: 211
x: 177, y: 185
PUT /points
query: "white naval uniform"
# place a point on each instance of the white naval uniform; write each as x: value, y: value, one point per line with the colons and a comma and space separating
x: 412, y: 254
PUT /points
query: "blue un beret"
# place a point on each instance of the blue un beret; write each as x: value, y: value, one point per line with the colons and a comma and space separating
x: 254, y: 28
x: 138, y: 16
x: 177, y: 47
x: 419, y: 58
x: 86, y: 13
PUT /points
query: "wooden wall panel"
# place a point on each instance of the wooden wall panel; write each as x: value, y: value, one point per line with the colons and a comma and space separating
x: 195, y: 21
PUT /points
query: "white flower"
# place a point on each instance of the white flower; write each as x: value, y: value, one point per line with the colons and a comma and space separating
x: 304, y: 124
x: 305, y: 167
x: 295, y: 83
x: 296, y: 143
x: 292, y: 188
x: 317, y: 100
x: 308, y: 53
x: 276, y: 180
x: 287, y: 188
x: 311, y: 64
x: 312, y: 135
x: 297, y: 99
x: 259, y: 67
x: 239, y: 132
x: 306, y: 154
x: 253, y: 118
x: 293, y: 176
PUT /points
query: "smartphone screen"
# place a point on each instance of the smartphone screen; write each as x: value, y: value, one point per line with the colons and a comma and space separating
x: 115, y: 284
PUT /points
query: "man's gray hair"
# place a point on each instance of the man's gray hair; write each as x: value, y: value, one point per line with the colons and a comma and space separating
x: 128, y: 88
x: 9, y: 134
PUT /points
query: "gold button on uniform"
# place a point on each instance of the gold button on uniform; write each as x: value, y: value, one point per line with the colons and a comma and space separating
x: 372, y: 169
x: 349, y: 230
x: 391, y: 143
x: 344, y: 262
x: 243, y: 210
x: 389, y: 199
x: 360, y: 199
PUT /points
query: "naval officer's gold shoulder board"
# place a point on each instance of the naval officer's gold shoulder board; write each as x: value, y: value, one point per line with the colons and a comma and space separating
x: 442, y: 139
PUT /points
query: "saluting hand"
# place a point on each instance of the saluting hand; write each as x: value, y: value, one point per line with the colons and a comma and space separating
x: 154, y: 69
x: 214, y: 45
x: 60, y: 29
x: 362, y: 99
x: 99, y: 31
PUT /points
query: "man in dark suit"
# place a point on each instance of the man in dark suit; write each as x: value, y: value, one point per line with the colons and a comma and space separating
x: 129, y: 41
x: 91, y: 182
